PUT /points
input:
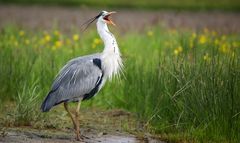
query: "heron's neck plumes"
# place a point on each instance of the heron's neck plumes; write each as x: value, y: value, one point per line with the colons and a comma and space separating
x: 111, y: 56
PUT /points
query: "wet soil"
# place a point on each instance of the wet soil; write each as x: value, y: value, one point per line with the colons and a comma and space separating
x: 136, y: 20
x: 96, y: 125
x: 27, y: 135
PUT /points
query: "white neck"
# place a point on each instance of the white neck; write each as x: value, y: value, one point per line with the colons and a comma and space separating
x: 111, y: 56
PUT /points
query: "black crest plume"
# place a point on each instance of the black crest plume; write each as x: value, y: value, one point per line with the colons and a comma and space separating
x: 90, y: 21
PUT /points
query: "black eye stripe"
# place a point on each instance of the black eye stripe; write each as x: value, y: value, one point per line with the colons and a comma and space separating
x: 88, y: 22
x: 101, y: 13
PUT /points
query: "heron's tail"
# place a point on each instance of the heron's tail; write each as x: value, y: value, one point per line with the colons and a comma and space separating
x: 48, y: 102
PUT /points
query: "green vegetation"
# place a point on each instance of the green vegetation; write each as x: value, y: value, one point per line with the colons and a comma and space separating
x: 181, y: 85
x: 146, y: 4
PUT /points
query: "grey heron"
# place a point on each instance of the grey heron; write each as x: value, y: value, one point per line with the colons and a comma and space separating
x: 82, y: 77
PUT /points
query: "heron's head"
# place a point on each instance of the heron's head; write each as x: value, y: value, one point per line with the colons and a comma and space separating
x: 103, y: 16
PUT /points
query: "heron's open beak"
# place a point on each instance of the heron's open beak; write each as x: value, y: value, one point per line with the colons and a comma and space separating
x: 107, y: 18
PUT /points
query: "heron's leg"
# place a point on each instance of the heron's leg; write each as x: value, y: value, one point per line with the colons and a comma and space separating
x: 77, y: 120
x: 70, y: 114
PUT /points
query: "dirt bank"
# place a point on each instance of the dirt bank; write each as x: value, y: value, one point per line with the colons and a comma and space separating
x: 27, y: 135
x: 96, y: 125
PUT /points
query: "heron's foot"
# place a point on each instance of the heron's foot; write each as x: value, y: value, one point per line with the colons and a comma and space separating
x: 79, y: 138
x: 85, y: 137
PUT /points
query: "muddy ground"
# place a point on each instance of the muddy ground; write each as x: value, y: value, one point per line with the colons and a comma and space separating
x: 96, y: 125
x: 26, y: 135
x: 135, y: 20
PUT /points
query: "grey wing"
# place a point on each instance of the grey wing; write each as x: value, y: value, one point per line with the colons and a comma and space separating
x: 80, y: 78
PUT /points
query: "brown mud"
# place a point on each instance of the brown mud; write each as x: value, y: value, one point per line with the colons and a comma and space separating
x: 96, y: 125
x: 27, y: 135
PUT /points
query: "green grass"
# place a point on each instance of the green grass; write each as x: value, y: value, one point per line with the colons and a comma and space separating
x: 232, y: 5
x: 182, y: 86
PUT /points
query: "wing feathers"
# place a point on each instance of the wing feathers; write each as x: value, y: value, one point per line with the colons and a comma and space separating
x: 80, y: 78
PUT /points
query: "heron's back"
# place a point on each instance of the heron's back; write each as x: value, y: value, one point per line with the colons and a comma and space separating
x: 80, y: 78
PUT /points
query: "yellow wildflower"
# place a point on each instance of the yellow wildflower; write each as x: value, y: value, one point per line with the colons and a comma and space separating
x: 206, y: 57
x: 58, y: 44
x: 97, y: 41
x: 202, y: 39
x: 75, y: 37
x: 178, y: 50
x: 150, y: 33
x: 21, y: 33
x: 47, y: 38
x: 224, y: 48
x: 27, y: 42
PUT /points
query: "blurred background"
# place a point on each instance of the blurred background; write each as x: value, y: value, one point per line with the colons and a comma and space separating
x: 221, y: 15
x: 181, y: 78
x: 232, y: 5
